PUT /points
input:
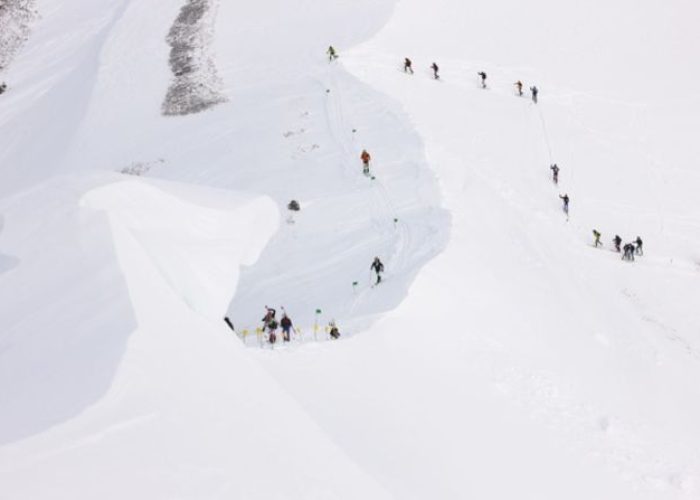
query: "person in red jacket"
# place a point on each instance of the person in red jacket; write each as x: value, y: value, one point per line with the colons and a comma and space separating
x: 365, y: 157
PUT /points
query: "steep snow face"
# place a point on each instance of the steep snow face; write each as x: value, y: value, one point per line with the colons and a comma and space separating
x: 65, y: 313
x: 196, y: 250
x: 209, y: 414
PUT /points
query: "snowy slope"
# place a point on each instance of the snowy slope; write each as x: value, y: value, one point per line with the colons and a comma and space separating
x: 525, y: 362
x: 504, y: 357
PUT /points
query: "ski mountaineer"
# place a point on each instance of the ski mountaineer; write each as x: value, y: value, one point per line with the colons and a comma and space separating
x: 555, y: 173
x: 596, y: 237
x: 534, y: 91
x: 286, y: 325
x: 407, y: 66
x: 638, y: 242
x: 435, y: 69
x: 3, y: 88
x: 483, y: 79
x: 269, y: 316
x: 365, y: 157
x: 628, y: 252
x: 331, y: 53
x: 378, y: 268
x: 565, y: 199
x: 333, y: 332
x: 272, y: 328
x: 617, y: 241
x: 519, y: 86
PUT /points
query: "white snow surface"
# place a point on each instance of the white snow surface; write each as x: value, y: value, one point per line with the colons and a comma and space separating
x: 504, y: 357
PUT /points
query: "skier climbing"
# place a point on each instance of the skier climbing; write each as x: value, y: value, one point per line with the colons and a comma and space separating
x: 334, y: 332
x: 286, y: 325
x: 565, y: 199
x: 435, y: 69
x: 365, y: 157
x: 378, y: 268
x: 596, y: 237
x: 407, y: 66
x: 534, y: 91
x: 483, y: 79
x: 519, y: 87
x: 617, y: 241
x: 638, y: 242
x: 628, y: 252
x: 331, y: 53
x: 269, y: 316
x: 272, y: 328
x: 3, y: 87
x: 555, y: 173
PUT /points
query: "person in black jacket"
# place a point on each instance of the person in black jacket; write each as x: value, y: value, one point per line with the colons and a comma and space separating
x: 435, y: 69
x: 534, y: 91
x: 286, y: 325
x: 555, y: 173
x: 378, y: 268
x: 617, y: 241
x: 565, y: 200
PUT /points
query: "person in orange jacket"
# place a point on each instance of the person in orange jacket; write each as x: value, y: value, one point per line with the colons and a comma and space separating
x: 365, y: 157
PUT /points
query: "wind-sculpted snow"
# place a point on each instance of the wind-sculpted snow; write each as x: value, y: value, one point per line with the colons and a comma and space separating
x: 58, y: 350
x: 15, y: 19
x: 196, y: 84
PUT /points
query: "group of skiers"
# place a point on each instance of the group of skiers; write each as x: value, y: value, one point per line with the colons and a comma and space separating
x: 408, y: 68
x: 270, y: 323
x: 270, y: 326
x: 564, y: 197
x: 629, y: 250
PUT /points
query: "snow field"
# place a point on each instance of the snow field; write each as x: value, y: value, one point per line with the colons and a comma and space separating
x: 519, y: 363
